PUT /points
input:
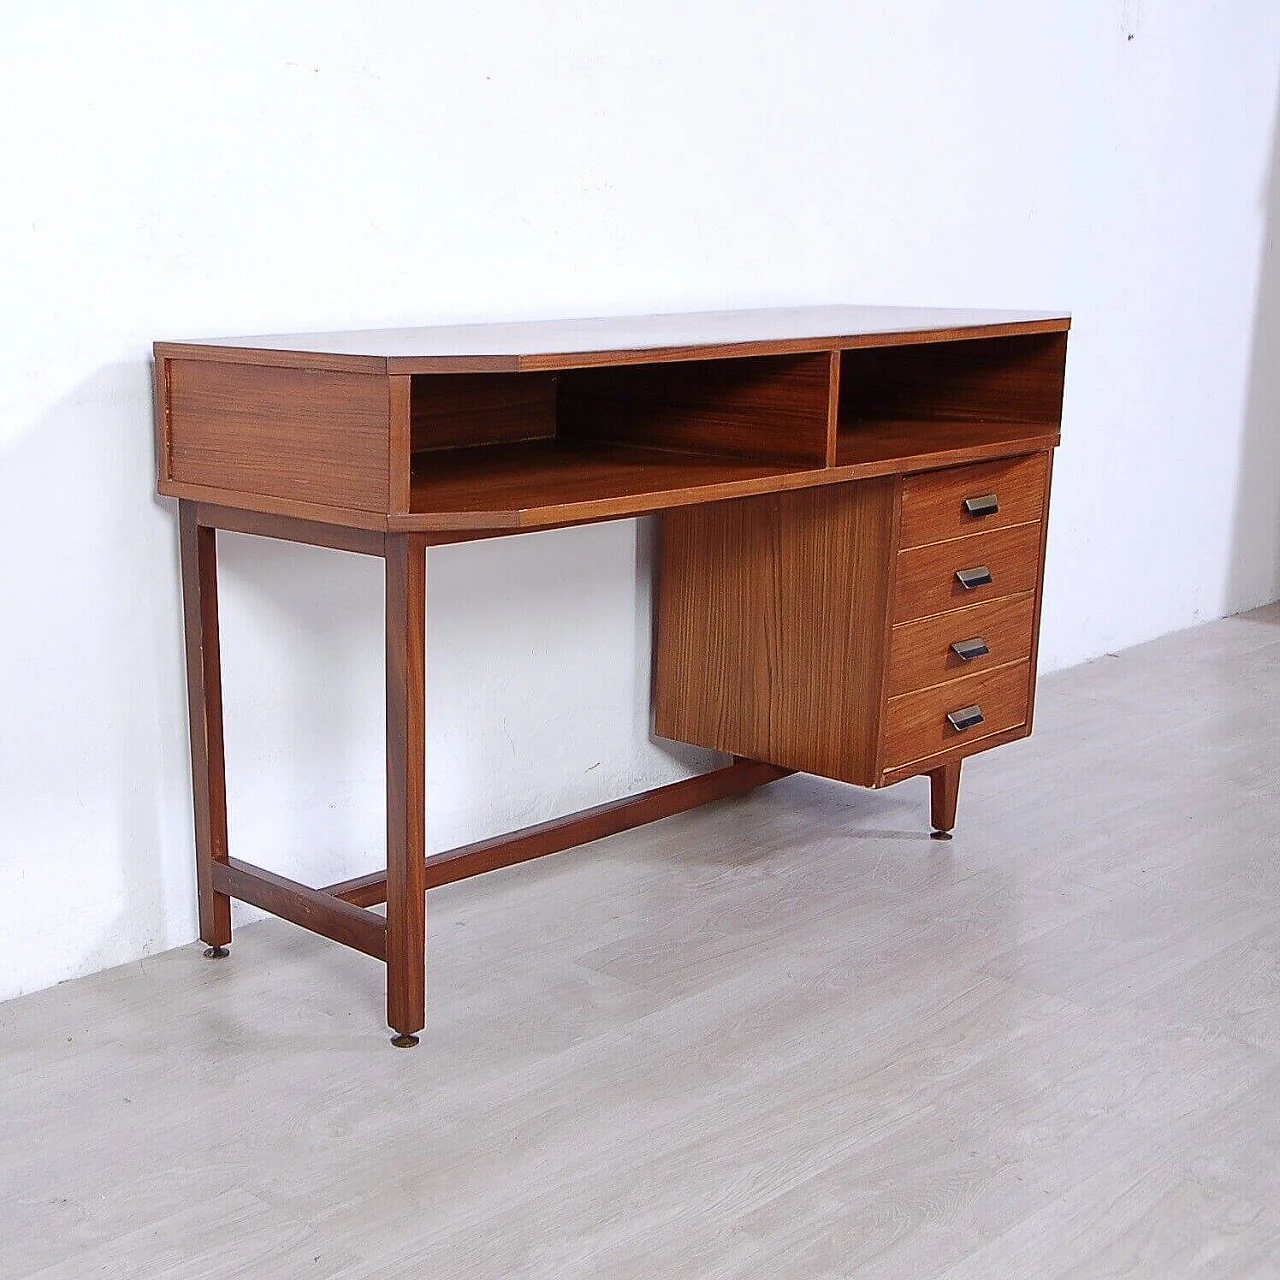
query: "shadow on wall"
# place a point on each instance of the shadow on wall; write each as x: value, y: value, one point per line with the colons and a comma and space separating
x: 89, y: 752
x: 1254, y: 576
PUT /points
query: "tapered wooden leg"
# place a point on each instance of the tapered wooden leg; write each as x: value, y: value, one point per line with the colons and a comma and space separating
x: 406, y: 559
x: 199, y: 556
x: 944, y: 792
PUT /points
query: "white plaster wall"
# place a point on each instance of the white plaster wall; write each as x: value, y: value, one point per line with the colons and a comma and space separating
x: 185, y: 171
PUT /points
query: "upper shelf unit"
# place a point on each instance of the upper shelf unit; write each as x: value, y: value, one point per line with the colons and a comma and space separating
x: 462, y: 431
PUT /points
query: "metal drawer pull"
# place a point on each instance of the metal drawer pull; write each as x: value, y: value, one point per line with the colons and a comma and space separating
x: 987, y: 505
x: 967, y: 650
x: 970, y: 578
x: 965, y: 718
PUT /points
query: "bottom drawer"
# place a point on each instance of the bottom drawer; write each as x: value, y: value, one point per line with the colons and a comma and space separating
x: 918, y: 726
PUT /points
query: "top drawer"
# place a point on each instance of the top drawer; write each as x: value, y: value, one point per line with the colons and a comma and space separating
x: 996, y: 493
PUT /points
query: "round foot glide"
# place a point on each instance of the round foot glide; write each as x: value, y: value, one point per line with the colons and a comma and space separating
x: 404, y: 1042
x: 939, y: 835
x: 216, y: 953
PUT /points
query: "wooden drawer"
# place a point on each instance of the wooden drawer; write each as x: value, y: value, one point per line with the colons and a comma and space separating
x: 921, y: 655
x: 927, y: 576
x: 917, y: 725
x: 933, y: 502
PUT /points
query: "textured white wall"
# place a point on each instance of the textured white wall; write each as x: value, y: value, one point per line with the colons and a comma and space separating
x: 185, y: 171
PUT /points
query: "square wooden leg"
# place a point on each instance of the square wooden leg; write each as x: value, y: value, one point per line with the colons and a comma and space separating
x: 199, y: 557
x: 406, y: 581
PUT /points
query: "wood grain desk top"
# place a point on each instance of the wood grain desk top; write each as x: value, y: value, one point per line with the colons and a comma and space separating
x: 563, y: 344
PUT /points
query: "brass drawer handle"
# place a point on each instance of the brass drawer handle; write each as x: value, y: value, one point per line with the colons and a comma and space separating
x: 987, y: 505
x: 967, y: 650
x: 965, y: 718
x: 970, y: 578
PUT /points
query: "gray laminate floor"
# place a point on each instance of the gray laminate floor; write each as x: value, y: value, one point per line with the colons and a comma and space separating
x: 786, y: 1036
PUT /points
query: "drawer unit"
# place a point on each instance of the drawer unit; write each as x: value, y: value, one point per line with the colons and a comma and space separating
x: 787, y: 595
x: 964, y: 571
x: 938, y: 505
x: 949, y: 646
x: 929, y: 722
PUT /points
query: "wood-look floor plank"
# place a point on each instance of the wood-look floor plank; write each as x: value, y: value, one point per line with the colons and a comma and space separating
x: 787, y: 1035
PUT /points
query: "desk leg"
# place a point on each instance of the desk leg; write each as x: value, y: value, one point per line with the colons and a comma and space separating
x: 199, y: 555
x: 406, y: 582
x: 944, y: 792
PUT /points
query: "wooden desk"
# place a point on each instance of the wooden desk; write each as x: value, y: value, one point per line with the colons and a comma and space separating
x: 854, y: 503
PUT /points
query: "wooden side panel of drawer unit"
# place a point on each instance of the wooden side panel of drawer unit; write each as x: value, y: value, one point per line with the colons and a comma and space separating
x: 933, y: 502
x: 315, y: 437
x: 772, y: 629
x: 916, y: 725
x: 927, y: 581
x: 921, y: 653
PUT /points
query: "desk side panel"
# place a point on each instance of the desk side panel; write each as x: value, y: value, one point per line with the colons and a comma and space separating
x: 771, y: 627
x: 306, y: 436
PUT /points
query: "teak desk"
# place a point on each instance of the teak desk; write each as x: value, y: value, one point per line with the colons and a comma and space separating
x: 853, y: 507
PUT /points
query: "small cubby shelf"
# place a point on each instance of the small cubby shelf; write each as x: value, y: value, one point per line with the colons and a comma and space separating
x: 964, y: 399
x: 526, y: 450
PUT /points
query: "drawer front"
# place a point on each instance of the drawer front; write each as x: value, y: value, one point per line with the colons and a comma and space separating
x: 921, y: 653
x: 917, y: 724
x: 998, y: 494
x: 929, y: 579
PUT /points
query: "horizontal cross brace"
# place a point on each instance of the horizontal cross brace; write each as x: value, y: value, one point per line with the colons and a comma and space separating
x: 567, y: 832
x: 298, y: 903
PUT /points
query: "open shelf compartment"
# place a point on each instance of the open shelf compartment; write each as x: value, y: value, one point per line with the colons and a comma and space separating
x: 524, y: 450
x: 930, y: 403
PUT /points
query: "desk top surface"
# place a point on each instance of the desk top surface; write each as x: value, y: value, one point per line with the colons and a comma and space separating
x: 550, y: 344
